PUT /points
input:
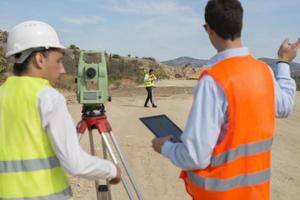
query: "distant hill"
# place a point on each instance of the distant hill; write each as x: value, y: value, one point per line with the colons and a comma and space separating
x: 183, y: 61
x: 295, y: 67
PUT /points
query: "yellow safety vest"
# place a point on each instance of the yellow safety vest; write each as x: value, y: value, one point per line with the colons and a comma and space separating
x: 29, y: 168
x: 149, y: 80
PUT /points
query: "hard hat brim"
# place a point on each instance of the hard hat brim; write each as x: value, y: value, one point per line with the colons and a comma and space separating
x: 59, y: 46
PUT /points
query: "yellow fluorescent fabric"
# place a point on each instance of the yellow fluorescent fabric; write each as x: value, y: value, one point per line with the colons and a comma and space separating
x: 23, y: 140
x: 150, y: 81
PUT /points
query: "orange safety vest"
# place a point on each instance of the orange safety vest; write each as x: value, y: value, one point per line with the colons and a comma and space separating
x: 240, y: 163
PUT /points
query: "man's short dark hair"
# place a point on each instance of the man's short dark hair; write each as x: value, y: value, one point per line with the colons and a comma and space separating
x: 20, y: 68
x: 225, y: 17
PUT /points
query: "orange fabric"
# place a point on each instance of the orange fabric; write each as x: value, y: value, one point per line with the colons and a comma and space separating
x: 249, y: 88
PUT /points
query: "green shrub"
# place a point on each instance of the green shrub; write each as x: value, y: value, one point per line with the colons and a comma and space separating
x: 74, y: 47
x: 116, y: 56
x: 149, y: 58
x: 3, y: 63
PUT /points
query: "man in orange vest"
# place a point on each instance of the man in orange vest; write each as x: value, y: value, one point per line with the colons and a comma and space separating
x: 226, y: 144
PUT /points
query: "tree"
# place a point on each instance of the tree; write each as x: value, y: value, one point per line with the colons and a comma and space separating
x: 116, y: 56
x: 74, y: 47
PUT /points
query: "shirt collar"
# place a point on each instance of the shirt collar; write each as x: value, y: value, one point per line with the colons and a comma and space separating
x: 229, y: 53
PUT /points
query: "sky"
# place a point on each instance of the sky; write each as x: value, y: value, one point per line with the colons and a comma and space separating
x: 163, y: 29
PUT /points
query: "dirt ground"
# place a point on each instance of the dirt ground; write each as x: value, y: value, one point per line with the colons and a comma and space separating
x: 156, y: 176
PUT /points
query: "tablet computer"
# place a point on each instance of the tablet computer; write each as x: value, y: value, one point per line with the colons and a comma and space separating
x: 161, y: 126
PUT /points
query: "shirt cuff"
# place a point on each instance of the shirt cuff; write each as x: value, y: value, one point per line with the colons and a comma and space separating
x: 166, y: 148
x: 113, y: 171
x: 283, y: 70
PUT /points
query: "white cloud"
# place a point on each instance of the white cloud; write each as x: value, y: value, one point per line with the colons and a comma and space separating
x: 81, y: 20
x: 147, y: 8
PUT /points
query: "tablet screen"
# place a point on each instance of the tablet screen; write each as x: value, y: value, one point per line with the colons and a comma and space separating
x: 162, y: 126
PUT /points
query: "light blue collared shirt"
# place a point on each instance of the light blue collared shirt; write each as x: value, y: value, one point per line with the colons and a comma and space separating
x: 208, y: 120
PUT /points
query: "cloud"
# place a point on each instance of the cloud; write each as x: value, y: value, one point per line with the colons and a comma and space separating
x: 82, y: 20
x: 147, y: 8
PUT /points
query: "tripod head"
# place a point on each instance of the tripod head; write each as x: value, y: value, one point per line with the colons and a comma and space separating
x: 93, y: 110
x: 93, y: 117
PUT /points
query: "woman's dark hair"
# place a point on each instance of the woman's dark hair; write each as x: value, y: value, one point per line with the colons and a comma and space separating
x: 21, y: 68
x: 225, y: 17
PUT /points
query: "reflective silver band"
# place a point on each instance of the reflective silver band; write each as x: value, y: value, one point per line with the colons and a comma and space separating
x: 227, y: 184
x: 28, y: 165
x: 64, y: 195
x: 243, y: 150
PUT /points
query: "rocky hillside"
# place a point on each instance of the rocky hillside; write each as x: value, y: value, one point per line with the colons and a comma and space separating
x: 122, y: 70
x: 188, y: 61
x: 3, y: 61
x: 126, y: 71
x: 193, y: 63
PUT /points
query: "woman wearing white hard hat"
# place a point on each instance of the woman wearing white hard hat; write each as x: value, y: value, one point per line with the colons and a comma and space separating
x: 38, y: 139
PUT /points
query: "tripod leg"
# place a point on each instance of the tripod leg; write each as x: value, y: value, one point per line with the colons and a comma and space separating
x: 98, y: 193
x: 79, y: 136
x: 92, y: 143
x: 130, y: 175
x: 124, y: 181
x: 105, y: 157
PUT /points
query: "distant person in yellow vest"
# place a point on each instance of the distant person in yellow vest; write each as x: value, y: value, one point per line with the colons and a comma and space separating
x: 225, y: 153
x: 149, y: 83
x: 38, y: 139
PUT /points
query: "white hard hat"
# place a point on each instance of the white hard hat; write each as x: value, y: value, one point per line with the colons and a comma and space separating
x: 30, y: 35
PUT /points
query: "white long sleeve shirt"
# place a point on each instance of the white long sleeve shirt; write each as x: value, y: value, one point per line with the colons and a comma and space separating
x: 61, y: 130
x: 208, y: 120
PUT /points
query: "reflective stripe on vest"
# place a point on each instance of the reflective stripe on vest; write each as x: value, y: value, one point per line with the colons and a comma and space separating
x: 28, y: 165
x: 243, y: 150
x: 224, y: 185
x: 65, y: 194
